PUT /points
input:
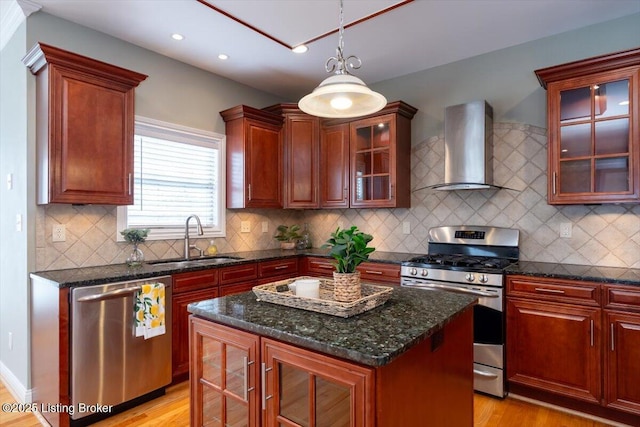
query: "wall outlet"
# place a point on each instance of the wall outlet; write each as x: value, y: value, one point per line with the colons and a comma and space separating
x: 406, y: 227
x: 565, y: 229
x: 265, y: 226
x: 59, y: 233
x: 245, y: 227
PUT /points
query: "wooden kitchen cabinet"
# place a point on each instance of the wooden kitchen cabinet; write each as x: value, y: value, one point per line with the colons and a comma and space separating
x: 334, y: 166
x: 225, y: 382
x: 622, y: 348
x: 238, y: 278
x: 317, y: 266
x: 593, y: 109
x: 278, y: 269
x: 187, y: 288
x: 301, y: 156
x: 379, y: 273
x: 378, y: 171
x: 85, y: 126
x: 307, y: 388
x: 254, y: 158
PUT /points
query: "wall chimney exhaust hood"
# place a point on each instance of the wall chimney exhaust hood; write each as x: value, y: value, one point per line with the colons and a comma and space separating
x: 468, y: 147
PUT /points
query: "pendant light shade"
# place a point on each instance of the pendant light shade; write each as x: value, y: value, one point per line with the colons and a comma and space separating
x: 342, y: 95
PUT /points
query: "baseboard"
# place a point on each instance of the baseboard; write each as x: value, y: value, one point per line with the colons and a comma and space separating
x: 15, y: 387
x: 568, y: 411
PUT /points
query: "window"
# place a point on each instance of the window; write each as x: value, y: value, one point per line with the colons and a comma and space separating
x: 178, y: 171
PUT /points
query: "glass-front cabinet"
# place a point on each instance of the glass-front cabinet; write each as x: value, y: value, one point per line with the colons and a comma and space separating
x: 303, y: 388
x: 223, y: 363
x: 593, y: 130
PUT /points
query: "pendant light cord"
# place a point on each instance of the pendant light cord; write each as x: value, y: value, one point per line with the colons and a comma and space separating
x: 338, y: 63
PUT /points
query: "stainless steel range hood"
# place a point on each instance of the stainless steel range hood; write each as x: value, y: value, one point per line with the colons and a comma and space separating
x: 468, y: 144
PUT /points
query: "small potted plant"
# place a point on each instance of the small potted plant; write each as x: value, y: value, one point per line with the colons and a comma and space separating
x: 135, y: 236
x: 287, y: 236
x: 349, y: 248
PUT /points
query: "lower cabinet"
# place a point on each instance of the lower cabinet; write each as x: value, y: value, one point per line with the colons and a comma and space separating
x: 370, y: 272
x: 575, y: 339
x: 232, y: 382
x: 556, y: 348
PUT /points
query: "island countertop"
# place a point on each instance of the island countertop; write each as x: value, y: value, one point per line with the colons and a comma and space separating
x: 373, y: 338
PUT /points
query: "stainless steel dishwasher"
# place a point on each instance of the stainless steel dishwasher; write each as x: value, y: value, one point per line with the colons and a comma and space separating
x: 109, y: 364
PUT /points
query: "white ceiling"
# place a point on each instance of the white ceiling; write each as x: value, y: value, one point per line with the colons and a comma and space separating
x: 412, y: 37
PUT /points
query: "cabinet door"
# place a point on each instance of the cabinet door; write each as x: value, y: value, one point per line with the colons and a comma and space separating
x: 378, y: 272
x: 334, y: 166
x: 224, y: 376
x: 593, y: 139
x: 315, y: 266
x: 303, y: 388
x: 264, y: 165
x: 373, y: 168
x: 555, y: 347
x: 622, y: 356
x: 180, y: 330
x: 302, y: 143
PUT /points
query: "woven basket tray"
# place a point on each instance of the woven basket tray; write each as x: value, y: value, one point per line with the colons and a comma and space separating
x: 372, y: 296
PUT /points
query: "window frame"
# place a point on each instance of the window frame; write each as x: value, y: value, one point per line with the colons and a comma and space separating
x: 145, y: 126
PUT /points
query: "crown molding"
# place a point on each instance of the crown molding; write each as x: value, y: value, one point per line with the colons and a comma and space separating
x: 14, y: 13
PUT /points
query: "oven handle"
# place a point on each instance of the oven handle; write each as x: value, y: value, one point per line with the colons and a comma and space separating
x: 484, y: 374
x: 450, y: 288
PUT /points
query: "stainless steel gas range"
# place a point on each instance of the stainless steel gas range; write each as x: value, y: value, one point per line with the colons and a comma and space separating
x: 472, y: 259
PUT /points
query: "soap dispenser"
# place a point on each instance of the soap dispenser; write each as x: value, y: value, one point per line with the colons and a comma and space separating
x: 212, y: 249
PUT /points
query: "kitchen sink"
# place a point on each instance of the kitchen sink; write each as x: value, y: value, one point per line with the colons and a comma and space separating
x: 183, y: 263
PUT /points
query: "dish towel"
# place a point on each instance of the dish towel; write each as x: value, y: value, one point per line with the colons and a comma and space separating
x: 149, y: 311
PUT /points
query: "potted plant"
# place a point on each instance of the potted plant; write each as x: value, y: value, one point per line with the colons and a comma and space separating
x: 135, y: 236
x: 287, y: 236
x: 349, y: 248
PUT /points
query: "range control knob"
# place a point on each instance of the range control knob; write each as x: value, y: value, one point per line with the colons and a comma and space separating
x: 425, y: 272
x: 470, y: 277
x: 413, y: 271
x: 484, y: 278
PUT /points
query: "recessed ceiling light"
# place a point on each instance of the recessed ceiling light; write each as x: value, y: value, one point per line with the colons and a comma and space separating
x: 223, y: 56
x: 177, y: 36
x: 300, y: 49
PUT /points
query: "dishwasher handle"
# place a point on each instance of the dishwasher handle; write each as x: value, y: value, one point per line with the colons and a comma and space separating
x: 111, y: 294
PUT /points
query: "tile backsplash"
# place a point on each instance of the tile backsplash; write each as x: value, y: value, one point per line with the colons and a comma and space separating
x: 605, y: 235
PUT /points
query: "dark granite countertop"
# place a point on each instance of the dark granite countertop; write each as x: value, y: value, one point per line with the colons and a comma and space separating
x: 88, y: 276
x: 372, y: 338
x: 612, y: 275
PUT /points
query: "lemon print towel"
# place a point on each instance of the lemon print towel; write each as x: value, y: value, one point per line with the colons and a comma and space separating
x: 149, y: 310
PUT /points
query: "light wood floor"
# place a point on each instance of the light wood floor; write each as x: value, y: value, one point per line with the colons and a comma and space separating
x: 173, y: 410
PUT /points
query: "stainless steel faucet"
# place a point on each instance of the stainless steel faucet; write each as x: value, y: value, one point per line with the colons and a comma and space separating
x: 187, y: 245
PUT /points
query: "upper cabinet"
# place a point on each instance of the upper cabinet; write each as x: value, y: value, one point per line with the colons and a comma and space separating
x: 379, y: 163
x: 326, y: 163
x: 301, y: 149
x: 593, y: 109
x: 85, y: 126
x: 254, y: 158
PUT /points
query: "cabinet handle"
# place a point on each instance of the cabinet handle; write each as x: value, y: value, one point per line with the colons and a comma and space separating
x: 245, y: 367
x: 391, y: 191
x: 550, y: 291
x: 249, y: 191
x: 280, y: 267
x: 553, y: 182
x: 591, y: 332
x: 325, y: 266
x: 344, y: 193
x: 613, y: 348
x: 130, y: 184
x: 264, y: 386
x: 373, y: 272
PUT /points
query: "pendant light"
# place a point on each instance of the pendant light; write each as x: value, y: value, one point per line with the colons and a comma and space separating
x: 342, y: 95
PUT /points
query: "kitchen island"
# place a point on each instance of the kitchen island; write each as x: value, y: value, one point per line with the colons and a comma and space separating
x: 407, y: 362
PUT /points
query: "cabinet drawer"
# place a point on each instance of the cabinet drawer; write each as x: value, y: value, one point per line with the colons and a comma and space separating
x: 183, y: 282
x: 279, y: 267
x: 319, y: 266
x: 238, y: 273
x: 541, y: 288
x: 378, y: 272
x: 622, y: 297
x: 236, y: 288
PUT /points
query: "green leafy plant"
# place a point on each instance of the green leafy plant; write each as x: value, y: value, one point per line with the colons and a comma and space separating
x: 135, y: 235
x: 349, y: 248
x: 287, y: 233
